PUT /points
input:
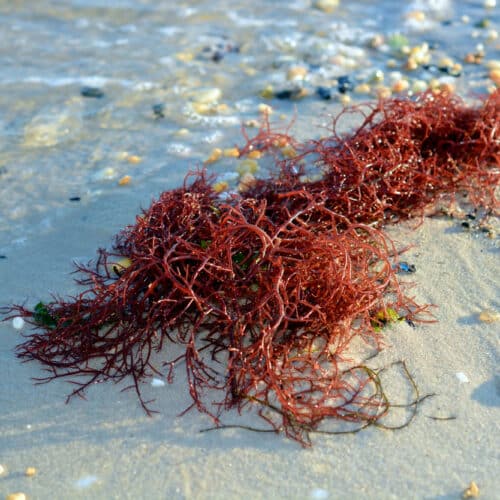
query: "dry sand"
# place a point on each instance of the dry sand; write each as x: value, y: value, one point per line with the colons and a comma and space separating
x: 107, y: 448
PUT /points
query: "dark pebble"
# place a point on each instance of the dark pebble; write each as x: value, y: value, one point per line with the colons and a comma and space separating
x: 158, y: 110
x: 217, y: 56
x: 3, y: 256
x: 345, y: 84
x: 470, y: 216
x: 287, y: 94
x: 449, y: 71
x: 92, y: 92
x: 75, y: 198
x: 466, y: 225
x: 324, y: 92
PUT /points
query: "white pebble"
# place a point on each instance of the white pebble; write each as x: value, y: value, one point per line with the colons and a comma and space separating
x: 2, y: 469
x: 85, y: 481
x: 462, y: 377
x: 18, y: 322
x: 156, y: 382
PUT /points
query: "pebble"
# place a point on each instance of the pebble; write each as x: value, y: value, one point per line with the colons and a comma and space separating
x: 3, y: 470
x: 247, y: 166
x: 324, y: 92
x: 16, y: 496
x: 18, y: 322
x: 345, y: 84
x: 215, y: 155
x: 94, y: 92
x: 220, y: 186
x: 296, y: 73
x: 125, y: 180
x: 494, y: 75
x: 472, y: 491
x: 246, y: 182
x: 30, y: 471
x: 489, y: 316
x: 462, y: 377
x: 265, y: 109
x: 231, y: 153
x: 158, y: 110
x: 156, y: 382
x: 400, y: 86
x: 419, y: 86
x: 326, y: 6
x: 362, y: 88
x: 206, y: 95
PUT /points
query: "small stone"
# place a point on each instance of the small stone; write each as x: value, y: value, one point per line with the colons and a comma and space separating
x: 384, y: 92
x: 247, y: 166
x: 362, y: 88
x: 206, y: 95
x: 18, y: 322
x: 134, y: 159
x: 447, y: 87
x: 345, y: 84
x: 254, y: 155
x: 30, y: 471
x: 489, y: 316
x: 158, y: 110
x: 231, y: 153
x: 215, y: 155
x: 326, y: 6
x: 289, y: 152
x: 494, y: 75
x: 462, y: 377
x: 296, y: 73
x: 246, y: 182
x: 124, y: 180
x: 419, y: 86
x: 16, y: 496
x: 345, y: 99
x: 220, y: 186
x: 267, y: 92
x: 265, y: 109
x: 324, y: 92
x: 3, y: 470
x: 400, y: 86
x: 184, y: 56
x: 156, y: 382
x: 93, y: 92
x: 416, y: 15
x: 472, y: 491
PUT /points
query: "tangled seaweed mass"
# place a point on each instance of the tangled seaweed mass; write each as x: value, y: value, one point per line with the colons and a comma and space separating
x: 265, y: 290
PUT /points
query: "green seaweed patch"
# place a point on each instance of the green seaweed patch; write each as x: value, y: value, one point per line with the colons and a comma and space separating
x: 384, y: 317
x: 42, y: 316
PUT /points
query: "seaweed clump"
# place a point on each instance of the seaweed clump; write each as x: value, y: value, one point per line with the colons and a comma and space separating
x: 265, y: 291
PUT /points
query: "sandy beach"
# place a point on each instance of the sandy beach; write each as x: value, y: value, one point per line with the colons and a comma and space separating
x: 107, y: 448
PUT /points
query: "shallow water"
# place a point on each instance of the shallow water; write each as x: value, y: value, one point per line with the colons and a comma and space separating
x: 204, y: 64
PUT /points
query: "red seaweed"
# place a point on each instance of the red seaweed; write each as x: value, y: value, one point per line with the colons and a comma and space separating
x: 265, y: 291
